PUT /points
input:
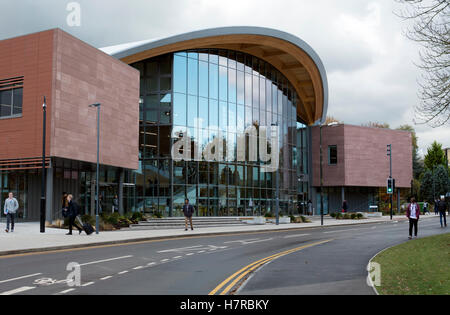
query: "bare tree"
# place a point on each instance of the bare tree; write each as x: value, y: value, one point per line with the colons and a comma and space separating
x: 431, y: 26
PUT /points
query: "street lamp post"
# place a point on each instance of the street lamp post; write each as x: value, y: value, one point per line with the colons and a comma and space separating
x: 97, y: 105
x: 321, y: 176
x: 43, y: 203
x: 277, y: 190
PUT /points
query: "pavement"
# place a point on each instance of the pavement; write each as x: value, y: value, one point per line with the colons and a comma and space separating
x: 27, y: 237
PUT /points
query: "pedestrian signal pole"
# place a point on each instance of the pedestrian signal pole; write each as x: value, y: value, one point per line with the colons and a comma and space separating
x: 391, y: 181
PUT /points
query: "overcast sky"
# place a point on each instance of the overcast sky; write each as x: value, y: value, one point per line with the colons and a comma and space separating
x: 369, y: 62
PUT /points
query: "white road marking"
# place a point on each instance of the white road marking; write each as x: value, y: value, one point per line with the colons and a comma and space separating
x: 106, y: 260
x: 297, y: 235
x: 200, y: 252
x: 66, y: 291
x: 251, y: 241
x: 190, y: 254
x: 106, y: 278
x: 151, y: 264
x: 87, y: 284
x: 180, y: 249
x: 123, y: 272
x: 164, y: 260
x: 22, y: 277
x: 138, y: 267
x: 177, y: 257
x: 18, y: 290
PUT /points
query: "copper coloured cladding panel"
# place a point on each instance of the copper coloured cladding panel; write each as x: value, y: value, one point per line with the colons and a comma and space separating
x: 72, y: 75
x: 362, y: 156
x: 84, y: 75
x: 30, y: 57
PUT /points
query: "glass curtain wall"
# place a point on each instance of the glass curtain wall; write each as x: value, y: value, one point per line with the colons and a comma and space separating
x: 207, y: 93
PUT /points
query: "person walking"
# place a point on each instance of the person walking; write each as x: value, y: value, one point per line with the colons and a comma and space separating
x: 442, y: 208
x: 115, y: 207
x: 425, y: 208
x: 10, y: 209
x: 436, y: 211
x: 310, y: 207
x: 188, y: 211
x: 73, y: 211
x: 413, y: 214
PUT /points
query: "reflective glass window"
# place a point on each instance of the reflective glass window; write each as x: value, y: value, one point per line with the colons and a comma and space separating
x: 179, y: 109
x: 179, y: 74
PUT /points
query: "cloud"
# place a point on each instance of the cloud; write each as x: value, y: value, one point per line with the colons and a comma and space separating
x: 368, y: 60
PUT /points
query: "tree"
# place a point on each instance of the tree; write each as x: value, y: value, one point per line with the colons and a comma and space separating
x: 435, y: 183
x: 441, y: 181
x: 426, y: 186
x: 417, y: 163
x: 435, y: 156
x: 431, y: 30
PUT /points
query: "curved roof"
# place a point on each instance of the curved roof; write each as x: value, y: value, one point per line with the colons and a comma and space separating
x: 298, y: 62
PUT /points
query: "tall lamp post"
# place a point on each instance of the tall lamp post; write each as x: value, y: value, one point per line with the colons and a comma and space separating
x: 277, y: 188
x: 321, y: 175
x: 43, y: 203
x: 333, y: 124
x: 97, y: 105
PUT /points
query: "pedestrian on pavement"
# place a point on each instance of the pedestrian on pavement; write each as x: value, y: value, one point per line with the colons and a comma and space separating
x: 425, y: 208
x: 188, y: 211
x: 310, y: 207
x: 413, y: 214
x: 115, y: 207
x: 344, y: 206
x: 436, y: 211
x: 442, y: 208
x: 10, y: 209
x: 73, y: 211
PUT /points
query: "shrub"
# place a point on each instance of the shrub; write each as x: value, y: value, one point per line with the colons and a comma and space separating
x: 333, y: 215
x: 359, y: 215
x: 268, y: 215
x: 353, y: 216
x: 338, y: 216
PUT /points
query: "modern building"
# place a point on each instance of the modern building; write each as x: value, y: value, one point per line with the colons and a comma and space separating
x: 71, y: 75
x: 224, y: 90
x: 356, y: 166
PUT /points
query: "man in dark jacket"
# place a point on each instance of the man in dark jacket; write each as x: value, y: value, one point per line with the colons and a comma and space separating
x: 442, y: 208
x: 188, y: 211
x: 72, y: 212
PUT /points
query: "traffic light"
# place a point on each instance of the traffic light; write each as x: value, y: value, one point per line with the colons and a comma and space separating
x: 390, y: 185
x: 389, y: 150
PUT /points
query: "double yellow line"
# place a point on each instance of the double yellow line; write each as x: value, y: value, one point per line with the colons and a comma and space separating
x: 237, y: 276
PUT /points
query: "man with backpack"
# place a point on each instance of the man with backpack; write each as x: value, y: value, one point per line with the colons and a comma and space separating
x: 442, y: 208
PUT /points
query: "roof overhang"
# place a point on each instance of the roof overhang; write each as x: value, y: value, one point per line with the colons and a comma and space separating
x: 295, y: 59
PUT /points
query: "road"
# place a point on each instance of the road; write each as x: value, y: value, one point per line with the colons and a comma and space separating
x: 330, y: 260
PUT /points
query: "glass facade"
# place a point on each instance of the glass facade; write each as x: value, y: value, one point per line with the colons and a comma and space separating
x: 213, y: 94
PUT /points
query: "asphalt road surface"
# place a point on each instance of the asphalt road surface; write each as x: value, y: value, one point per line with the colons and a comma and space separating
x: 330, y: 260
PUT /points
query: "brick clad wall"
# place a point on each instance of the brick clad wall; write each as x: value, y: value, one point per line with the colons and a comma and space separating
x: 30, y: 56
x: 362, y: 159
x: 72, y: 74
x: 83, y: 76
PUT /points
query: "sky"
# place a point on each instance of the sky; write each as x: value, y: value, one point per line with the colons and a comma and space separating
x: 370, y: 64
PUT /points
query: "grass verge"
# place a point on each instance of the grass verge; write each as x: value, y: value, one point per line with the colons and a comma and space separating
x: 418, y: 267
